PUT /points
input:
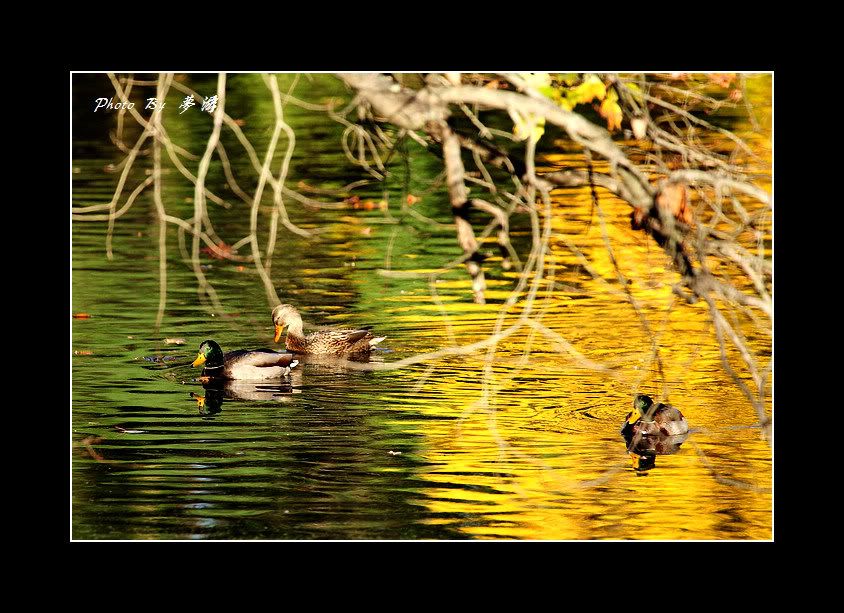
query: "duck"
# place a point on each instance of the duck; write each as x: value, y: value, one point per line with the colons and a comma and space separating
x: 654, y: 419
x: 356, y: 343
x: 254, y: 365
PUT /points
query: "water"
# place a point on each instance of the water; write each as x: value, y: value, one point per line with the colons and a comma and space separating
x: 339, y: 453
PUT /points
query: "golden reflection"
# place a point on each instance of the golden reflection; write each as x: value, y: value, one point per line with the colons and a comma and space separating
x: 536, y: 449
x: 528, y: 446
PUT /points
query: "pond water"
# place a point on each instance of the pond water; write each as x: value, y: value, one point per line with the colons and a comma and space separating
x: 339, y: 453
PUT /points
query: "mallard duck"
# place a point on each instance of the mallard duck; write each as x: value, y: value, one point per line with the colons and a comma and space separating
x: 322, y: 342
x: 654, y: 419
x: 257, y: 365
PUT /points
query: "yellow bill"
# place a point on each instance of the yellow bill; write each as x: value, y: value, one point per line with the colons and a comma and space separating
x: 199, y: 361
x: 635, y: 458
x: 278, y: 330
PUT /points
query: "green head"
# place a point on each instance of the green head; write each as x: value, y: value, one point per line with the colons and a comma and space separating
x: 643, y: 403
x: 210, y: 355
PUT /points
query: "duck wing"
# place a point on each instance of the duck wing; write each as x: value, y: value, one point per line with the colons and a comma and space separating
x: 261, y: 358
x: 666, y: 413
x: 353, y: 336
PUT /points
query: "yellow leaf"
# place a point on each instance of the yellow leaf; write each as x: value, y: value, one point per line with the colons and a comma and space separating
x: 634, y: 89
x: 587, y: 91
x: 567, y: 78
x: 525, y: 125
x: 612, y: 113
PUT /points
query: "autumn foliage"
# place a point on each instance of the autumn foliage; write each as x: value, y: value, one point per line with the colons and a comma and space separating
x: 673, y: 199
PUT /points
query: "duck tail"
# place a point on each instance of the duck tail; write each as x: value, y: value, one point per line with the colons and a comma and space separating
x: 376, y: 340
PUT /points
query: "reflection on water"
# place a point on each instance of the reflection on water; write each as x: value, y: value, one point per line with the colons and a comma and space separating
x: 217, y: 390
x: 341, y: 453
x: 644, y: 449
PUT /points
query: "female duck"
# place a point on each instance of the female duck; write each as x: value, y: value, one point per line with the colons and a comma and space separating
x: 323, y: 342
x: 259, y: 365
x: 654, y: 419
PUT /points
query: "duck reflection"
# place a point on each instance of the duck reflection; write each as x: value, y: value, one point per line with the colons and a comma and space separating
x: 216, y: 391
x: 643, y: 448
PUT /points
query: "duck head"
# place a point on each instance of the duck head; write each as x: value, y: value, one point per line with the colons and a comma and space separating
x: 285, y: 315
x: 643, y: 404
x: 210, y: 355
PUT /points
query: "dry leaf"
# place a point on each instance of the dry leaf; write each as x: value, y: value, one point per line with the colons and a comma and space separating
x: 221, y: 247
x: 174, y: 341
x: 722, y: 79
x: 636, y: 219
x: 411, y: 199
x: 673, y: 198
x: 81, y: 316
